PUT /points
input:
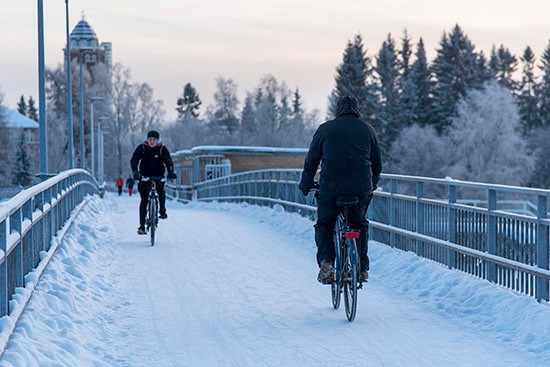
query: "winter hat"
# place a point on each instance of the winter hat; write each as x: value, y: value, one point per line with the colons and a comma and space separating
x: 347, y: 105
x: 153, y: 134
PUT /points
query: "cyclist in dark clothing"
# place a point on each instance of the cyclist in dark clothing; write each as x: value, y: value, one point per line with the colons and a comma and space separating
x: 150, y: 159
x: 349, y: 153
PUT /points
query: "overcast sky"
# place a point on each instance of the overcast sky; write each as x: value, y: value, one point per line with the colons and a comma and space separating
x: 168, y: 43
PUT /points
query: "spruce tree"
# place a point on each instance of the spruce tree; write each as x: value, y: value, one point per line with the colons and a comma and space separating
x: 354, y: 77
x: 297, y: 109
x: 421, y: 79
x: 407, y: 89
x: 502, y: 65
x: 32, y: 113
x: 189, y: 103
x: 544, y: 88
x: 456, y: 70
x: 22, y: 166
x: 527, y: 94
x: 22, y: 106
x: 387, y: 74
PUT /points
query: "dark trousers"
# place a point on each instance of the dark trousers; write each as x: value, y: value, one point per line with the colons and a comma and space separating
x: 119, y: 190
x: 327, y: 214
x: 143, y: 188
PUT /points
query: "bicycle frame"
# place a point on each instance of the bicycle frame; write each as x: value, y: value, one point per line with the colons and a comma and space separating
x: 152, y: 206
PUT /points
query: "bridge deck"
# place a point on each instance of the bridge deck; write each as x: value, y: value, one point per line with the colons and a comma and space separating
x: 235, y: 286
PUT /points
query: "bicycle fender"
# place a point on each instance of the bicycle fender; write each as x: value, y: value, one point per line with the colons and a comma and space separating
x: 353, y: 256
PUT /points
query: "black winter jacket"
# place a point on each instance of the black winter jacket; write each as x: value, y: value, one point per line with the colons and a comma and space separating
x: 151, y: 160
x: 349, y: 152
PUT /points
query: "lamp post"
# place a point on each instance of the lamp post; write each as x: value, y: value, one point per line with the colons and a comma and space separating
x: 69, y: 90
x: 92, y: 131
x: 42, y: 93
x: 100, y: 154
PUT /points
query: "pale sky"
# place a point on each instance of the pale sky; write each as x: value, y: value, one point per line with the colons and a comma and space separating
x: 168, y: 43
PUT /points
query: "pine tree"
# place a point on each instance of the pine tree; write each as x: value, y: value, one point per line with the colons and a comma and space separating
x: 32, y: 113
x: 354, y: 77
x: 189, y: 103
x: 527, y: 94
x: 544, y: 88
x: 456, y: 69
x: 248, y: 115
x: 22, y: 167
x: 22, y: 106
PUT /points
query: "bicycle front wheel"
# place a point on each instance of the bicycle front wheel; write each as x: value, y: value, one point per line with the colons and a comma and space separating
x: 152, y: 220
x: 350, y: 282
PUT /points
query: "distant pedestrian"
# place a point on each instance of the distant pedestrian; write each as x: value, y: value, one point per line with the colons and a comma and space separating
x: 119, y: 183
x: 130, y: 185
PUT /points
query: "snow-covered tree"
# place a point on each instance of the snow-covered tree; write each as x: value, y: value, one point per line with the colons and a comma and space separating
x: 4, y: 146
x: 417, y: 151
x: 502, y: 65
x: 21, y: 173
x: 422, y: 106
x: 223, y: 112
x: 484, y: 140
x: 541, y: 173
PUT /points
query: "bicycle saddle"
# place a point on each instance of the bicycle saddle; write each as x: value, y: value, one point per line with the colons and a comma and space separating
x: 347, y: 200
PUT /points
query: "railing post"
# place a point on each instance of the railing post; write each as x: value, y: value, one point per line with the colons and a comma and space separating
x: 491, y: 234
x: 393, y: 191
x: 4, y: 296
x: 419, y: 217
x: 541, y: 291
x: 451, y: 226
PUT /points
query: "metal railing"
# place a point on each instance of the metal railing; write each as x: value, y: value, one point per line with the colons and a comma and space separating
x: 30, y: 220
x: 429, y: 217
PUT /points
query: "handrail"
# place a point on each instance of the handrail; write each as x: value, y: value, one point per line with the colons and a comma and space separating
x: 430, y: 217
x: 30, y: 220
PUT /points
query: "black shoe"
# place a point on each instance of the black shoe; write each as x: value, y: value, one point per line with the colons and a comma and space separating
x: 163, y: 215
x: 325, y: 273
x: 141, y: 230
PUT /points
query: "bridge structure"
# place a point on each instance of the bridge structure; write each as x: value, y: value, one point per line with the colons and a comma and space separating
x: 467, y: 226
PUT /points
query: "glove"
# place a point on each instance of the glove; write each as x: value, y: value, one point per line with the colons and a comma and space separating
x: 136, y: 175
x: 172, y: 175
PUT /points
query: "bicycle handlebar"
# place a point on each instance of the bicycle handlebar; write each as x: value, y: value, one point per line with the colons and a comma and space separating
x: 153, y: 178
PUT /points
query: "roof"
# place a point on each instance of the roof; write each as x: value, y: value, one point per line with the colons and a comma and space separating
x: 83, y: 36
x: 15, y: 120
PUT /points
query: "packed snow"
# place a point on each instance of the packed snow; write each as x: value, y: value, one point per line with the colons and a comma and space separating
x: 235, y: 285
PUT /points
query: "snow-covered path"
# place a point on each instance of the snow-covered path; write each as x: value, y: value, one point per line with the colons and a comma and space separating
x: 234, y: 285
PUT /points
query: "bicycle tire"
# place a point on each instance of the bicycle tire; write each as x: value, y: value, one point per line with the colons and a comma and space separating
x: 152, y: 219
x: 336, y: 286
x: 350, y: 283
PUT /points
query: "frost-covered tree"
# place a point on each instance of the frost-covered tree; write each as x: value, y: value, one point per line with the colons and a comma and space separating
x: 22, y: 106
x: 417, y: 151
x: 541, y: 173
x: 354, y: 77
x: 189, y: 103
x: 484, y: 141
x: 4, y: 146
x: 527, y: 93
x: 456, y: 70
x: 223, y: 112
x: 21, y: 173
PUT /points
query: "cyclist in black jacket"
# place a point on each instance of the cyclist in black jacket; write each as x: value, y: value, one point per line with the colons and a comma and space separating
x: 349, y: 153
x: 150, y: 160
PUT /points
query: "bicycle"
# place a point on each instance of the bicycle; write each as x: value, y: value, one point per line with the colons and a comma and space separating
x: 152, y: 218
x: 347, y: 262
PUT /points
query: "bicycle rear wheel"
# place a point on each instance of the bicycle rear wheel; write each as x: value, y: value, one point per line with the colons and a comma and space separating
x: 350, y: 282
x: 336, y: 286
